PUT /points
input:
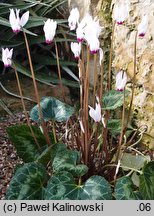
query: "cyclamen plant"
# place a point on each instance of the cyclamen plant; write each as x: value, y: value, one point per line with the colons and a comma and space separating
x: 93, y: 155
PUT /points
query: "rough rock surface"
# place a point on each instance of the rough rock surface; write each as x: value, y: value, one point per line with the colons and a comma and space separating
x: 143, y: 102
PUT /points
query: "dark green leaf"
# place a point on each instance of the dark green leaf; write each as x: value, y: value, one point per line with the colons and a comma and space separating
x: 27, y: 183
x: 125, y: 189
x: 114, y: 125
x: 59, y: 186
x: 24, y: 142
x: 146, y: 186
x: 63, y: 187
x: 113, y: 99
x: 96, y: 188
x: 49, y: 153
x: 52, y: 109
x: 66, y: 160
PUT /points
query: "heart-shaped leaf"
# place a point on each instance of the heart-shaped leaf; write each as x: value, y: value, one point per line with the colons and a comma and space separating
x: 67, y: 160
x: 114, y: 126
x: 63, y: 187
x: 146, y: 186
x: 24, y: 142
x: 49, y: 153
x: 52, y: 109
x: 113, y: 99
x: 125, y: 189
x: 96, y: 188
x: 130, y: 161
x: 27, y: 183
x: 58, y: 186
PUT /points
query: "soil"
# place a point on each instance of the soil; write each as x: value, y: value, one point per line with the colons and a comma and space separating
x: 8, y: 156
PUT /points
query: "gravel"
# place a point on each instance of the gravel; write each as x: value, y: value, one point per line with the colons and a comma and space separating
x: 8, y: 157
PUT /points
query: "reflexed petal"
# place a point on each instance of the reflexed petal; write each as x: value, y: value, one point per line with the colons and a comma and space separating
x: 73, y: 18
x: 142, y: 27
x: 7, y: 57
x: 92, y: 113
x: 93, y: 45
x: 14, y: 21
x: 12, y: 17
x: 95, y: 114
x: 76, y: 49
x: 24, y: 19
x: 49, y: 30
x: 80, y: 34
x: 121, y: 80
x: 120, y: 12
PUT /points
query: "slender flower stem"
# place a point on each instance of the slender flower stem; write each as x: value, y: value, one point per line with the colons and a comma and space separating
x: 110, y: 57
x: 133, y: 86
x: 95, y: 78
x: 59, y: 72
x: 86, y: 101
x: 24, y: 107
x: 122, y: 131
x: 95, y: 141
x: 36, y: 92
x: 81, y: 83
x: 101, y: 84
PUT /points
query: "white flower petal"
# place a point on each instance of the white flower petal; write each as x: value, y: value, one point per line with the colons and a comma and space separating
x: 95, y: 114
x: 49, y: 28
x: 7, y: 57
x: 12, y: 17
x: 76, y: 49
x: 120, y: 12
x: 24, y: 19
x: 121, y: 80
x: 73, y: 18
x: 142, y: 27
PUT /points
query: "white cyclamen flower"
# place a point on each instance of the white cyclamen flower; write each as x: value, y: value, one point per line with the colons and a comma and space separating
x: 16, y: 22
x: 73, y: 18
x: 80, y: 31
x: 92, y: 31
x: 49, y: 30
x: 121, y: 80
x: 142, y: 27
x: 7, y: 57
x: 120, y: 13
x: 95, y: 113
x: 76, y: 49
x: 94, y: 44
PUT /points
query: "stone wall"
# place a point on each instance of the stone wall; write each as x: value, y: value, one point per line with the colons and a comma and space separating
x: 143, y: 103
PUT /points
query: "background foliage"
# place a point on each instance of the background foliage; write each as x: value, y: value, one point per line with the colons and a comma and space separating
x: 43, y: 56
